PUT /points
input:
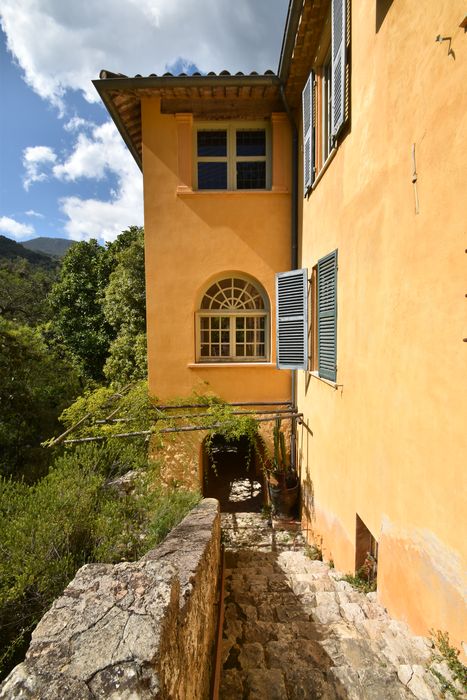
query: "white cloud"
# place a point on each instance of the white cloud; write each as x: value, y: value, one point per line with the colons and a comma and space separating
x: 35, y: 158
x: 76, y: 123
x: 60, y: 44
x: 96, y: 156
x: 93, y: 155
x: 36, y: 214
x: 14, y: 228
x: 93, y: 218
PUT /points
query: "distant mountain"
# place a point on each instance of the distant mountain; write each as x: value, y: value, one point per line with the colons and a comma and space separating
x: 9, y: 250
x: 57, y: 247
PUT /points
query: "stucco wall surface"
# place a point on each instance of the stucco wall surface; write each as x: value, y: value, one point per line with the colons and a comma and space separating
x: 193, y: 238
x: 390, y: 442
x: 134, y: 630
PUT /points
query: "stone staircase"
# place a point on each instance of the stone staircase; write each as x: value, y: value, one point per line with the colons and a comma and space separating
x: 294, y: 629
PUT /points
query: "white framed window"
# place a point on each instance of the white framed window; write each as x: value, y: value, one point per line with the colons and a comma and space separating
x: 232, y: 156
x: 232, y: 323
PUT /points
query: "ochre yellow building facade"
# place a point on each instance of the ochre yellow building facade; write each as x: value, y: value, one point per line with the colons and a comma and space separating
x: 193, y: 238
x: 382, y: 450
x: 389, y: 442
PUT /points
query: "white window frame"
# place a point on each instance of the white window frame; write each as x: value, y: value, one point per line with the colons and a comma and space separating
x: 231, y: 158
x: 233, y: 315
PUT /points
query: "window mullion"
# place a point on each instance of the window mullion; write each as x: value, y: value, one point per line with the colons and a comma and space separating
x: 232, y: 337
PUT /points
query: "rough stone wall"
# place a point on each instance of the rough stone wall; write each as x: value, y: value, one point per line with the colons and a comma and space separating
x: 183, y: 460
x: 135, y: 630
x: 180, y: 456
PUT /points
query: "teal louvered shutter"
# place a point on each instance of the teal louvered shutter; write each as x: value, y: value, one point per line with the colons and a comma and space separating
x: 338, y: 66
x: 292, y: 319
x: 308, y: 134
x: 327, y: 316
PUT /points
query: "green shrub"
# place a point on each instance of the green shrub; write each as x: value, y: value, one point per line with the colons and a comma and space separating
x: 70, y: 517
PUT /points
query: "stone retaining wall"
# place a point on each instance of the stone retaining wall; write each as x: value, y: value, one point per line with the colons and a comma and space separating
x: 135, y: 630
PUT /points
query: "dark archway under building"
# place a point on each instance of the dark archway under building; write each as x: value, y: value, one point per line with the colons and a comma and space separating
x: 233, y: 475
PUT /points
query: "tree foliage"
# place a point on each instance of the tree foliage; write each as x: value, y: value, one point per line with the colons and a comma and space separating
x: 76, y: 300
x: 23, y: 291
x: 125, y: 310
x: 71, y: 517
x: 99, y: 307
x: 35, y: 386
x: 125, y: 296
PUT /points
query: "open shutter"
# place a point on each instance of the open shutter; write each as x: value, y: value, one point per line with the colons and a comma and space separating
x: 308, y: 134
x: 327, y: 316
x: 292, y: 319
x: 338, y: 66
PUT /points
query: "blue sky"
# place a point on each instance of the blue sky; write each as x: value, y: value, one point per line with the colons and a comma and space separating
x: 64, y: 170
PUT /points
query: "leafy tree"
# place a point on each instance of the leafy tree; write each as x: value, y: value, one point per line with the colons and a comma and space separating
x: 125, y: 309
x: 76, y: 300
x: 127, y: 360
x: 35, y: 386
x: 125, y: 295
x: 23, y: 291
x: 100, y: 307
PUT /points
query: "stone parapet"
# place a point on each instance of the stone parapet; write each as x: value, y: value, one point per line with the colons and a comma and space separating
x: 134, y: 630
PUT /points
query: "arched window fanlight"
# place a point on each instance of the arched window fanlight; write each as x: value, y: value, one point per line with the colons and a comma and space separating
x: 233, y: 322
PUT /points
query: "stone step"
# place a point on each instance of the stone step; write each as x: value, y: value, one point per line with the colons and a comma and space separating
x: 295, y: 629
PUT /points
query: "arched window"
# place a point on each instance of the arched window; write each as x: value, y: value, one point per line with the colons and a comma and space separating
x: 233, y: 322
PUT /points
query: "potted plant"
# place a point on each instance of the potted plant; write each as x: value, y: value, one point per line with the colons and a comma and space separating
x: 283, y: 480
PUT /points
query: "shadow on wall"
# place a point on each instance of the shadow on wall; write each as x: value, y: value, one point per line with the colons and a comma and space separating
x: 382, y: 8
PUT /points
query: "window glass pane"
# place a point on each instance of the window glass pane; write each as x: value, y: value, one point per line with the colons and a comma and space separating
x: 225, y: 349
x: 251, y: 176
x: 250, y: 350
x: 250, y: 322
x: 212, y: 176
x: 204, y: 350
x: 225, y: 322
x: 251, y: 143
x: 212, y: 143
x: 239, y: 350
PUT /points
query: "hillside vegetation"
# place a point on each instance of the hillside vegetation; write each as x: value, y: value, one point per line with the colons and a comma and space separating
x: 56, y: 247
x: 10, y: 250
x: 70, y: 332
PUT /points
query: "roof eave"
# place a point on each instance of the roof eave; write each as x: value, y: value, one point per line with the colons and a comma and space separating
x: 288, y: 41
x: 106, y: 85
x: 98, y: 84
x: 146, y: 83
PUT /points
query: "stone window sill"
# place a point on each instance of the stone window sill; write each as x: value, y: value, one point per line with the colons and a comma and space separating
x: 237, y: 365
x: 326, y: 381
x: 183, y: 191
